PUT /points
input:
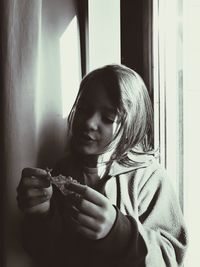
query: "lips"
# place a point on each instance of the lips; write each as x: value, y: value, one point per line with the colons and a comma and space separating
x: 87, y: 138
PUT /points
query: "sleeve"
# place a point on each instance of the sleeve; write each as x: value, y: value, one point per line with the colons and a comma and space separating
x: 47, y: 238
x: 156, y: 236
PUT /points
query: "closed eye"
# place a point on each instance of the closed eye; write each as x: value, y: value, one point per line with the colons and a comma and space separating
x: 108, y: 120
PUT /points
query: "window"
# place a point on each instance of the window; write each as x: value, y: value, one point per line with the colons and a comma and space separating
x: 176, y: 44
x: 168, y: 108
x: 103, y: 43
x: 191, y: 122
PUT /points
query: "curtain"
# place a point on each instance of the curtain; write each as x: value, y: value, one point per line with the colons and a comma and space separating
x: 20, y: 52
x: 33, y: 128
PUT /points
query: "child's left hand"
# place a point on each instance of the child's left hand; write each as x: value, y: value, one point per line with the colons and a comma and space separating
x: 92, y: 212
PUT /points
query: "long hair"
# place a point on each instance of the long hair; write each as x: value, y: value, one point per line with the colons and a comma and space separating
x: 129, y: 93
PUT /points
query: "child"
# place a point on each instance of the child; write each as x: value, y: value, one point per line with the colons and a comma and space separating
x: 122, y: 212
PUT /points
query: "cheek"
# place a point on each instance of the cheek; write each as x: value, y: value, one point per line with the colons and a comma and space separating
x: 110, y: 132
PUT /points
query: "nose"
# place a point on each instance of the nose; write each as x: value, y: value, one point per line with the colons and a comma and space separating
x: 93, y: 121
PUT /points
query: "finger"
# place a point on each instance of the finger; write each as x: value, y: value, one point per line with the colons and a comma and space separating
x: 88, y: 193
x: 33, y: 192
x: 27, y: 182
x: 74, y: 198
x: 24, y: 203
x: 85, y: 206
x: 34, y: 172
x: 88, y: 233
x: 33, y: 196
x: 77, y: 188
x: 84, y: 220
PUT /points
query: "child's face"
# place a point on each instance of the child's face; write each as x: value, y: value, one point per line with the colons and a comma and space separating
x: 95, y: 121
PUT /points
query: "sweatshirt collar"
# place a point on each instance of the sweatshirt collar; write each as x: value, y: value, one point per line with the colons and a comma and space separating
x: 139, y: 161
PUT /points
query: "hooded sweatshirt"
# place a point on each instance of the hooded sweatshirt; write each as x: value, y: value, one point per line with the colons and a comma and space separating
x: 149, y: 229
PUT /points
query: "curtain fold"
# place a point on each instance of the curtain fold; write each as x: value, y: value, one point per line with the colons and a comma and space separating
x: 20, y: 39
x: 32, y: 125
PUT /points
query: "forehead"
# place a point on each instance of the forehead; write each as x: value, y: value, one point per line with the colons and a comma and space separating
x: 96, y: 93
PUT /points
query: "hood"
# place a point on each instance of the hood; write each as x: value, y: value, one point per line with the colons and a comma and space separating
x: 139, y: 161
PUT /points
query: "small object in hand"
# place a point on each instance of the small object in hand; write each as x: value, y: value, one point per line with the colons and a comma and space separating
x: 61, y: 182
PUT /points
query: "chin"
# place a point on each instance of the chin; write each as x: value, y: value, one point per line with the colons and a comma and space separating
x: 85, y: 150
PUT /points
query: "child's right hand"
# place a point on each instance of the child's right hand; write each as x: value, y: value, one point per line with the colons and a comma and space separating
x: 34, y: 191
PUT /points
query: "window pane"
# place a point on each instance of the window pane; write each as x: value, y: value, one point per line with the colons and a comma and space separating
x: 177, y: 105
x: 191, y: 85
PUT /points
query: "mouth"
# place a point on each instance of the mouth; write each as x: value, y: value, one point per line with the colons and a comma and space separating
x: 87, y: 138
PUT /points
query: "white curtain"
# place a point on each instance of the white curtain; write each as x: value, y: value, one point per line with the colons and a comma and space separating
x: 33, y: 125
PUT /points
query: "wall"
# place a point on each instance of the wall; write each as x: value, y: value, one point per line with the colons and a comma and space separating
x: 34, y: 128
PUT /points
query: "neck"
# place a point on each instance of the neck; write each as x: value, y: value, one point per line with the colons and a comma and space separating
x: 90, y: 161
x: 94, y: 161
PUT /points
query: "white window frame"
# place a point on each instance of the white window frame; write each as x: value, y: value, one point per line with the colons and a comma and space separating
x: 168, y: 109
